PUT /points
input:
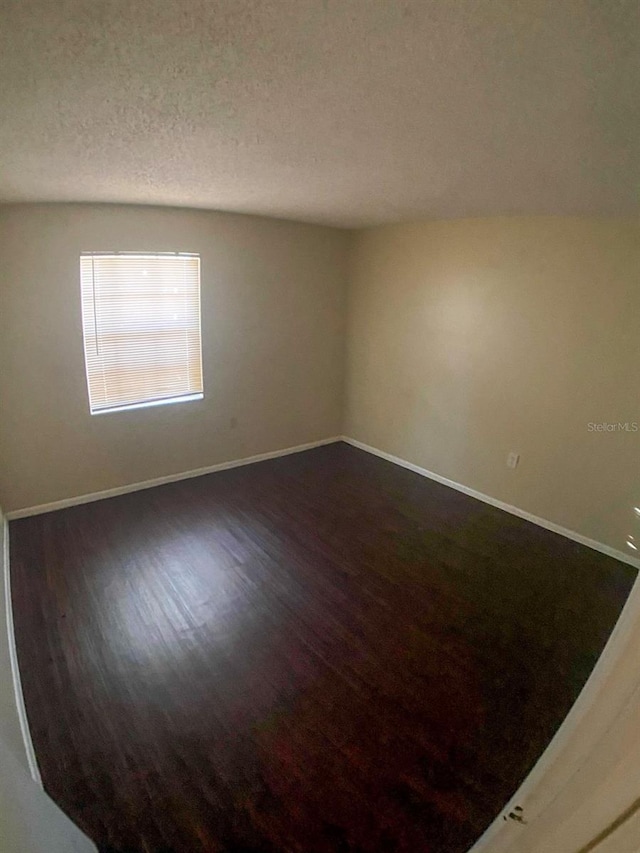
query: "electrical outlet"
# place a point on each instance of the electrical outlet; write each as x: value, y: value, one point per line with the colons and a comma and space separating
x: 512, y: 459
x: 516, y: 814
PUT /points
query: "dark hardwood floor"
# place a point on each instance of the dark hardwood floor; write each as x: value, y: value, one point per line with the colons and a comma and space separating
x: 323, y: 652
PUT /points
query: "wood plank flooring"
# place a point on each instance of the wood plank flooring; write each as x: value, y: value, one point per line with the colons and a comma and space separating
x: 319, y: 653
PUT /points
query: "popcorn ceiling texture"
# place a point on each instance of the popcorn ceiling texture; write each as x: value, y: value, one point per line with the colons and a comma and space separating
x: 344, y: 113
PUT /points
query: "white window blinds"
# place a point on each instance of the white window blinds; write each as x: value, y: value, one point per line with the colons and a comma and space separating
x: 141, y: 322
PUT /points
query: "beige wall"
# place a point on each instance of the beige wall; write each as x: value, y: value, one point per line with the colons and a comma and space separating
x: 466, y: 340
x: 472, y: 338
x: 273, y: 335
x: 10, y: 733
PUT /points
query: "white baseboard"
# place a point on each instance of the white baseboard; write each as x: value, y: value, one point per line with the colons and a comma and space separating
x: 514, y: 510
x: 169, y: 478
x: 15, y: 670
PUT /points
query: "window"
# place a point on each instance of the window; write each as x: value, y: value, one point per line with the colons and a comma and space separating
x: 141, y: 323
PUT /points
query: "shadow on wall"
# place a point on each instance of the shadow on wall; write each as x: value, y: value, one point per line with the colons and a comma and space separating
x: 31, y: 822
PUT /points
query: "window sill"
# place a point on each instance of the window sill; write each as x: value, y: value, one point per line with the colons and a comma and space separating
x: 184, y: 398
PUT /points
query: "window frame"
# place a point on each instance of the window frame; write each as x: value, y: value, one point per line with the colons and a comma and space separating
x: 187, y: 397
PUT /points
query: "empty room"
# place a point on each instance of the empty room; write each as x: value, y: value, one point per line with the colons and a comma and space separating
x: 319, y: 426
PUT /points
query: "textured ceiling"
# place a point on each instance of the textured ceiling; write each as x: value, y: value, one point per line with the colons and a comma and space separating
x: 347, y: 112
